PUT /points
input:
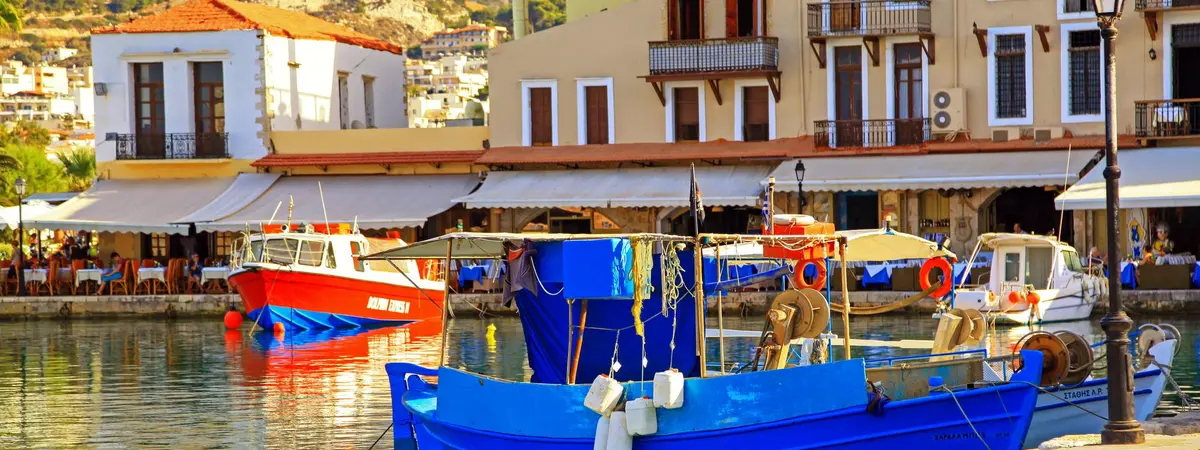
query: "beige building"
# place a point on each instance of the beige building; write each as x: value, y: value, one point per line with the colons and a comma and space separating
x: 945, y: 119
x: 473, y: 39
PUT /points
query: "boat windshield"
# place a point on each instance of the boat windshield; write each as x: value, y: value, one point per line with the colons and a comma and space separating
x: 280, y: 251
x: 1072, y: 261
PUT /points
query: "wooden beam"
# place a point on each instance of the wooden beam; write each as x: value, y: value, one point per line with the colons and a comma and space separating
x: 658, y: 89
x: 774, y: 82
x: 818, y: 46
x: 872, y: 45
x: 715, y: 85
x: 1042, y: 30
x: 929, y: 45
x: 981, y: 37
x: 1151, y: 18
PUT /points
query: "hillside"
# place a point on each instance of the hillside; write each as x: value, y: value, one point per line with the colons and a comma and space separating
x: 48, y: 23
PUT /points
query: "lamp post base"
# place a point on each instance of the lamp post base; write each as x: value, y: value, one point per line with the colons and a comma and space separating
x: 1122, y: 427
x: 1123, y: 433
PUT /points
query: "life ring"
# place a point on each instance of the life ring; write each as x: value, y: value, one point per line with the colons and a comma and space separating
x: 947, y: 274
x: 818, y: 283
x: 1016, y: 297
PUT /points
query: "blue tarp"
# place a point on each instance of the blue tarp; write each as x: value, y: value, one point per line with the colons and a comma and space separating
x: 548, y: 331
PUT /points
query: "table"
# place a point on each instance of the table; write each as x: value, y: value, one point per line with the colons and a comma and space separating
x: 1129, y: 274
x: 82, y: 275
x: 213, y: 277
x: 149, y: 275
x: 877, y: 274
x: 1196, y: 275
x: 34, y: 277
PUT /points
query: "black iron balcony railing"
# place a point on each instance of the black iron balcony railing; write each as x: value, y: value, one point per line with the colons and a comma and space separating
x: 1142, y: 5
x: 1165, y: 119
x: 872, y: 133
x: 739, y: 54
x: 172, y: 146
x: 868, y: 18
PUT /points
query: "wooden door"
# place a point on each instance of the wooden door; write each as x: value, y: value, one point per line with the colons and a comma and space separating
x: 909, y: 95
x: 848, y: 88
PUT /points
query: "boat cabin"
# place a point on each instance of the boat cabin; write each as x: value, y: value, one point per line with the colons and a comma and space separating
x: 1037, y: 262
x: 330, y: 248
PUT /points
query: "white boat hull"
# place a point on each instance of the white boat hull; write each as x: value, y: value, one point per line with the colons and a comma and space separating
x: 1053, y: 418
x: 1058, y: 310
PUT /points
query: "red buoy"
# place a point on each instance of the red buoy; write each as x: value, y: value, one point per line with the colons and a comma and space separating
x: 233, y: 320
x: 278, y: 327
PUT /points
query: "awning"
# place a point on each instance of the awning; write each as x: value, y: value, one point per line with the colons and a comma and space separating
x: 11, y: 216
x: 244, y: 190
x: 628, y: 188
x: 135, y: 206
x: 1161, y: 177
x: 373, y: 201
x: 935, y: 171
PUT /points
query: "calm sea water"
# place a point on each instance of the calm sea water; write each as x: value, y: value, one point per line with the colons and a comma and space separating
x: 192, y: 384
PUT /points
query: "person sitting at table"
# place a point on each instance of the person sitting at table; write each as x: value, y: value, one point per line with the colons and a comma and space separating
x: 195, y: 268
x: 113, y: 273
x: 1162, y: 244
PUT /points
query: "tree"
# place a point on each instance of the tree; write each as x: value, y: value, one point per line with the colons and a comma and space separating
x: 483, y: 93
x: 40, y: 173
x: 413, y: 52
x: 10, y: 16
x: 25, y: 132
x: 79, y: 165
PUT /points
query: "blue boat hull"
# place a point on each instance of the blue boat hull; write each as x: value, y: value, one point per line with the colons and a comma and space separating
x: 999, y: 416
x: 300, y: 319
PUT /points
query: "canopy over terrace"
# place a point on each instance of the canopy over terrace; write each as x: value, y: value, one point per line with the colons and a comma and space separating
x: 374, y: 202
x: 134, y: 206
x: 1164, y: 177
x: 11, y: 217
x: 619, y: 188
x: 935, y: 171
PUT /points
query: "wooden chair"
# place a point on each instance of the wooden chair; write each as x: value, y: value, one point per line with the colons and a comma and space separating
x: 174, y: 275
x: 69, y: 283
x: 147, y: 263
x: 47, y: 285
x: 127, y: 274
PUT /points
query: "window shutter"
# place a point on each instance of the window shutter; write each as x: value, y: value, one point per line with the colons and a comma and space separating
x: 597, y: 114
x: 756, y: 107
x: 540, y: 122
x: 672, y: 20
x: 731, y: 18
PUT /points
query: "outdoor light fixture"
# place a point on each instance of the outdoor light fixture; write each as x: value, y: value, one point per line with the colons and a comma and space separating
x: 1108, y: 8
x: 20, y: 250
x: 799, y: 186
x: 20, y: 185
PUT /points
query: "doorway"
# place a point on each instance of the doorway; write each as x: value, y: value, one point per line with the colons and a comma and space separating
x: 1032, y: 208
x: 848, y: 88
x: 687, y: 19
x: 1185, y: 63
x: 857, y: 210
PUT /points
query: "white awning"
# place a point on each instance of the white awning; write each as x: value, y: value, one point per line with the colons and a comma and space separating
x: 11, y: 216
x: 134, y: 206
x: 373, y: 201
x: 616, y: 188
x: 245, y: 189
x: 1162, y: 177
x: 936, y: 171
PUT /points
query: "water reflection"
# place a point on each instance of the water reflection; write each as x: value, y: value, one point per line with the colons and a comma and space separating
x: 192, y: 384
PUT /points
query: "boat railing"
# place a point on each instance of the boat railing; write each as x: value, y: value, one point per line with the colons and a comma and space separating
x: 892, y: 360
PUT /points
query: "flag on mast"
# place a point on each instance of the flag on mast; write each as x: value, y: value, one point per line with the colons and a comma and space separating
x: 696, y: 202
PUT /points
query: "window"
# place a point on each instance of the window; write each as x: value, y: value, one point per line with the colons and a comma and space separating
x: 594, y: 98
x: 312, y: 253
x: 156, y: 245
x: 744, y: 18
x: 356, y: 250
x: 1010, y: 77
x: 540, y: 130
x: 908, y: 79
x: 1084, y: 72
x: 848, y: 88
x: 686, y: 106
x: 222, y: 244
x: 208, y: 84
x: 344, y: 99
x: 539, y: 113
x: 1077, y: 6
x: 280, y: 251
x: 149, y: 109
x: 686, y: 19
x: 1072, y: 261
x: 1012, y: 267
x: 369, y: 100
x: 756, y: 113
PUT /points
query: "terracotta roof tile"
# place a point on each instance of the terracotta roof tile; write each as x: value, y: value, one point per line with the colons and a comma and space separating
x: 349, y: 159
x: 646, y: 152
x: 974, y: 146
x: 223, y: 15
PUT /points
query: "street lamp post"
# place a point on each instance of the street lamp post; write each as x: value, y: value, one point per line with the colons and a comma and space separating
x: 799, y: 186
x: 20, y: 185
x: 1122, y: 426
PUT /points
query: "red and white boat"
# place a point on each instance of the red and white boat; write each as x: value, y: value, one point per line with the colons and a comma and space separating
x: 315, y: 279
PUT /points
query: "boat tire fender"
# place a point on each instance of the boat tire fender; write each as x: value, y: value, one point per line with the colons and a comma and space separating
x: 947, y: 274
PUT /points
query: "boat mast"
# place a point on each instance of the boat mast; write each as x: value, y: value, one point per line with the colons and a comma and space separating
x: 842, y: 243
x: 698, y: 258
x: 445, y: 302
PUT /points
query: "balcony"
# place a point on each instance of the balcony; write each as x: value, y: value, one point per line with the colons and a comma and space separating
x: 1160, y: 5
x: 172, y: 146
x: 1167, y: 119
x: 713, y: 60
x: 871, y: 133
x: 868, y: 18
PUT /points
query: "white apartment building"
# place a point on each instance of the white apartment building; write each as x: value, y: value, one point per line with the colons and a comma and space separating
x: 57, y: 54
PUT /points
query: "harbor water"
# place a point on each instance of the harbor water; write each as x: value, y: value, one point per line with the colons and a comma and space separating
x: 192, y: 384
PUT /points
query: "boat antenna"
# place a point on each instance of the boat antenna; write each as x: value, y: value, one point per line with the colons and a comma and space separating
x: 321, y: 192
x: 1062, y: 213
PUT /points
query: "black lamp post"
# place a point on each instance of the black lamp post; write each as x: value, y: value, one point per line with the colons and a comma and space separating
x: 20, y: 185
x: 1122, y: 426
x: 799, y: 187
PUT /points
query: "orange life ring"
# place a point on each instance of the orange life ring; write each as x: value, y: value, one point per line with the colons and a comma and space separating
x: 1033, y: 298
x: 819, y: 282
x: 947, y: 273
x: 1016, y: 297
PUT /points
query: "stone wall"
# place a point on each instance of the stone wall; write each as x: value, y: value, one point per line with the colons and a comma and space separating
x: 83, y: 307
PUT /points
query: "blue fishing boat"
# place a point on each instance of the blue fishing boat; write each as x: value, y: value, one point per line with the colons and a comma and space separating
x: 623, y: 308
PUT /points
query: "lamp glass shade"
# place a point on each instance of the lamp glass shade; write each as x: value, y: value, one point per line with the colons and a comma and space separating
x: 20, y: 185
x: 799, y: 170
x: 1107, y: 8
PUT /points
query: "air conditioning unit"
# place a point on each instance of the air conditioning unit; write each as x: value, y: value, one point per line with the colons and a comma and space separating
x: 949, y: 110
x: 1045, y: 134
x: 1005, y: 134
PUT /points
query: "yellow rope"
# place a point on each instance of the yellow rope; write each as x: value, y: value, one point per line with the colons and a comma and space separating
x: 643, y: 267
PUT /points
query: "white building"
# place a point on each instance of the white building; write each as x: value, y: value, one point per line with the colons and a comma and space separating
x: 435, y: 109
x: 220, y: 75
x: 58, y: 54
x: 454, y: 73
